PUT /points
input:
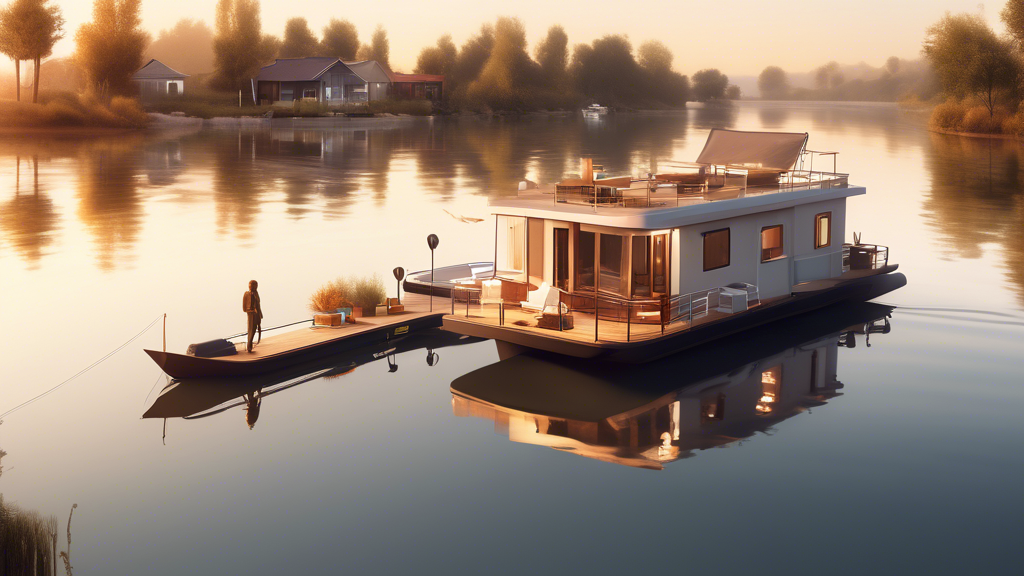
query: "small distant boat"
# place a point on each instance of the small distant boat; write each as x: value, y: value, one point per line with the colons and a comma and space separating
x: 595, y: 111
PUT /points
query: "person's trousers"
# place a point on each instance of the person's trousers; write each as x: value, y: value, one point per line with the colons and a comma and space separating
x: 254, y: 322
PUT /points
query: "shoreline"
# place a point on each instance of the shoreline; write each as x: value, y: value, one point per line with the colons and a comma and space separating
x: 977, y: 135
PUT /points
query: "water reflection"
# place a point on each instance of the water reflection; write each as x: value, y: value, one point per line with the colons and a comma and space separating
x: 647, y: 415
x: 29, y: 219
x: 976, y: 199
x: 195, y: 398
x: 109, y: 200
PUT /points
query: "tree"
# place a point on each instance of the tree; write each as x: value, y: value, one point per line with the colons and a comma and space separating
x: 110, y: 48
x: 655, y: 57
x: 340, y: 40
x: 970, y: 60
x: 378, y: 49
x: 240, y: 48
x: 28, y: 31
x: 1013, y: 17
x: 553, y: 55
x: 892, y: 65
x: 606, y: 70
x: 439, y: 59
x: 828, y: 76
x: 299, y: 41
x: 709, y: 84
x: 186, y: 47
x: 504, y: 81
x: 733, y: 92
x: 472, y: 56
x: 773, y: 83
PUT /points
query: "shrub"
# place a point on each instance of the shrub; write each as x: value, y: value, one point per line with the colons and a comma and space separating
x: 331, y: 296
x: 1015, y: 124
x: 66, y: 110
x: 948, y: 116
x: 978, y: 120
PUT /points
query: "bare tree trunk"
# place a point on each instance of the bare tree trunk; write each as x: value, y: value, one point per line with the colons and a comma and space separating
x: 35, y: 84
x: 17, y: 79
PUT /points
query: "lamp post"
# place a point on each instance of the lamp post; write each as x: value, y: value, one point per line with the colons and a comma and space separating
x: 432, y: 242
x: 399, y: 274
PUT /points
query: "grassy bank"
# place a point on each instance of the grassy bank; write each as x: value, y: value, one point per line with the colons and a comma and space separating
x: 26, y: 541
x: 965, y: 116
x: 66, y: 110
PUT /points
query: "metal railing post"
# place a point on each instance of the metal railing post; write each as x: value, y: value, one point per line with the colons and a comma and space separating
x: 629, y: 316
x: 451, y: 292
x: 597, y: 316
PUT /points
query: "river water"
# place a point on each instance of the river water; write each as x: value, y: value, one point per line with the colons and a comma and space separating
x: 913, y: 467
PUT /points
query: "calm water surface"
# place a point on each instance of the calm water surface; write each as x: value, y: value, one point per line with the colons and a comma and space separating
x: 915, y: 468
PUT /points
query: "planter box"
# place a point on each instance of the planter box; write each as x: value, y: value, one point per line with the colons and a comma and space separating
x: 381, y: 310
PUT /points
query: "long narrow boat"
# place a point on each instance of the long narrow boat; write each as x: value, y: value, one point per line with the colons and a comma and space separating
x: 184, y: 398
x: 275, y: 353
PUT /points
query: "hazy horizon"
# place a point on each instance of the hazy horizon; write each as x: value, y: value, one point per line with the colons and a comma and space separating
x: 736, y: 36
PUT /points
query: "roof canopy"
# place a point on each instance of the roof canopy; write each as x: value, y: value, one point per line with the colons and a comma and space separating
x: 369, y: 71
x: 157, y: 70
x: 298, y: 69
x: 778, y: 150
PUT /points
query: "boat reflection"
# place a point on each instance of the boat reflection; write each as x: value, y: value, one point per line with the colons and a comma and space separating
x: 646, y: 415
x: 194, y: 398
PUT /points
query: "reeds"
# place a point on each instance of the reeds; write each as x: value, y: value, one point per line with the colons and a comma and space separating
x: 27, y: 542
x: 69, y: 110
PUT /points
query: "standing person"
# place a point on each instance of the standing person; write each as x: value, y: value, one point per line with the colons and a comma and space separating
x: 252, y: 309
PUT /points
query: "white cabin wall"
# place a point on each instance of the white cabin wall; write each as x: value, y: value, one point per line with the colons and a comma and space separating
x: 675, y: 272
x: 815, y: 264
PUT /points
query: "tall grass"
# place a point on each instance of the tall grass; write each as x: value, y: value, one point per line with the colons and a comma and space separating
x: 364, y: 292
x: 63, y: 110
x: 26, y: 542
x: 972, y: 117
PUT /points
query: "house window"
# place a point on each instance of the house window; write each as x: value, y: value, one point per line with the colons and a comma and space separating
x: 716, y: 249
x: 822, y: 230
x: 309, y: 93
x: 771, y: 243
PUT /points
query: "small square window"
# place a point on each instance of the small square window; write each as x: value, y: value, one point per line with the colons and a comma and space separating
x: 771, y: 243
x: 823, y: 230
x: 716, y: 249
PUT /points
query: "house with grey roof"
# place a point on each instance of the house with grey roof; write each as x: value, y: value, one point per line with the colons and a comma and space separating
x: 158, y: 79
x: 327, y: 80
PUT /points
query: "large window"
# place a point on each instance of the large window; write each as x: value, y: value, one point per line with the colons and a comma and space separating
x: 823, y: 230
x: 614, y: 260
x: 641, y: 266
x: 771, y: 243
x: 716, y: 249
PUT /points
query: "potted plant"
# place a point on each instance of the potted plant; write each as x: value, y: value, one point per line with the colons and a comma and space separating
x: 331, y: 297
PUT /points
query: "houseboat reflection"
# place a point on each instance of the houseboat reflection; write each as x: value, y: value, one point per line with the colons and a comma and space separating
x: 650, y: 414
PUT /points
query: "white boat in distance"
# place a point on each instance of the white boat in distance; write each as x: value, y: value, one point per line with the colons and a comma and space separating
x: 595, y: 111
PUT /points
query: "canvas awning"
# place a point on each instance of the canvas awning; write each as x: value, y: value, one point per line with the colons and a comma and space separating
x: 777, y: 150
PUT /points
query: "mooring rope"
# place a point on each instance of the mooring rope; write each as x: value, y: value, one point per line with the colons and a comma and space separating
x: 84, y: 370
x: 269, y: 329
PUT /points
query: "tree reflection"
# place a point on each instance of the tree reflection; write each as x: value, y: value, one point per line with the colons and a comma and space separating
x: 29, y: 218
x: 109, y: 203
x: 976, y: 199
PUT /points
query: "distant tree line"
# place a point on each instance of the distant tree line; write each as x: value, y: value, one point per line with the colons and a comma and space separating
x: 895, y: 80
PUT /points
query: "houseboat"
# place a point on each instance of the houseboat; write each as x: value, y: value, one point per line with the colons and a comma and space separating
x: 648, y: 416
x: 639, y: 266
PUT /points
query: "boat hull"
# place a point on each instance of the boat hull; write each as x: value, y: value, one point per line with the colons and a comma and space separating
x: 858, y: 290
x: 184, y: 366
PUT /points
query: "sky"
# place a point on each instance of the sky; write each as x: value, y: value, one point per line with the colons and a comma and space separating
x: 739, y: 37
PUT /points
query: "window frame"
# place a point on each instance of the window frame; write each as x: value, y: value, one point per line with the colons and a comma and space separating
x: 728, y: 249
x: 782, y: 242
x: 817, y: 230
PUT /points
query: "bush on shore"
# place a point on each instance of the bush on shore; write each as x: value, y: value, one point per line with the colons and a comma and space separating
x: 67, y: 110
x: 971, y: 117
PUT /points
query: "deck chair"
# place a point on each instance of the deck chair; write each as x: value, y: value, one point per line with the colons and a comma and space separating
x: 538, y: 299
x: 490, y: 293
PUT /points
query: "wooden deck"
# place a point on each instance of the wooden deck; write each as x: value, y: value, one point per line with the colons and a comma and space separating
x: 584, y: 323
x: 416, y: 306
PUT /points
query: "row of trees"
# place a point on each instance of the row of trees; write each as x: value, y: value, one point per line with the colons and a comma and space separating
x: 897, y: 78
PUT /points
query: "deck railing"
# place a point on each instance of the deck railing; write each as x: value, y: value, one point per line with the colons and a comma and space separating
x: 864, y: 257
x: 609, y: 310
x: 699, y: 183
